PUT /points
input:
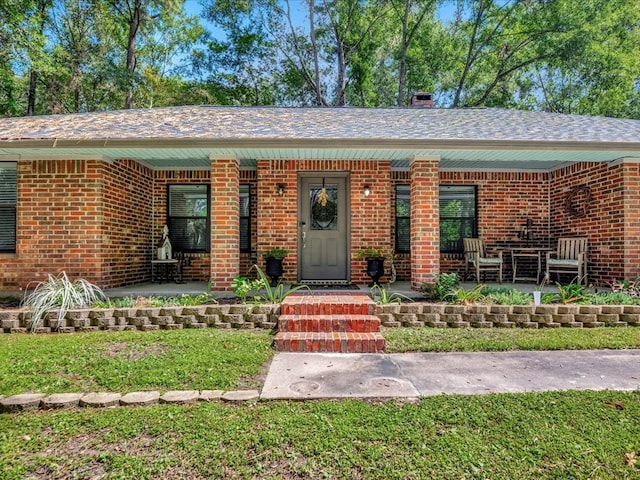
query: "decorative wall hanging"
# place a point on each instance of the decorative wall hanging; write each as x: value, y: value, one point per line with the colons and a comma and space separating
x: 578, y: 201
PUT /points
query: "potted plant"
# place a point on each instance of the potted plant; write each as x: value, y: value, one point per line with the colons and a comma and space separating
x: 273, y: 263
x: 375, y: 263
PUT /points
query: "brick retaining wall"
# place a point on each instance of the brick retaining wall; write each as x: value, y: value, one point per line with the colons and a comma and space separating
x: 147, y: 318
x: 508, y: 316
x: 266, y: 316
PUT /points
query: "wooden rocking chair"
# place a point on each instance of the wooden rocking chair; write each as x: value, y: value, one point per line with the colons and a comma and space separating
x: 475, y: 256
x: 570, y: 257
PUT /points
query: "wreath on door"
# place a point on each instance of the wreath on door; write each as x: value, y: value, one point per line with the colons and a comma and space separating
x: 577, y: 201
x: 324, y: 210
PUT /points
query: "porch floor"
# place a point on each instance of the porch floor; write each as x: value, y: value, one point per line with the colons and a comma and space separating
x: 195, y: 288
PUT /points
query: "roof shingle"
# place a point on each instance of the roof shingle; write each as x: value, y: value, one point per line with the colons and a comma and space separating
x: 214, y: 122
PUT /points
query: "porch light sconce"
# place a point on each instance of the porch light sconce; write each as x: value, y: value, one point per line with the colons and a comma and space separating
x: 280, y: 189
x: 366, y: 190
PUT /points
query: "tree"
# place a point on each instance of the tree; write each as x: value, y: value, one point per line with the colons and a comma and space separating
x: 412, y: 15
x: 544, y: 54
x: 137, y: 15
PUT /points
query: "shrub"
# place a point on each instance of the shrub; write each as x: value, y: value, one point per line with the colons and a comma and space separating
x: 275, y: 252
x: 275, y: 294
x: 242, y: 286
x: 60, y: 294
x: 462, y: 296
x: 507, y: 296
x: 124, y: 302
x: 382, y: 296
x: 614, y: 298
x: 572, y: 293
x: 444, y: 284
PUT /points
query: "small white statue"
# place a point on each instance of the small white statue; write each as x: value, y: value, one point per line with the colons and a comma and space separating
x: 164, y: 252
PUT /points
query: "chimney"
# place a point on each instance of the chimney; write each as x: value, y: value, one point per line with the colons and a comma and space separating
x: 421, y: 99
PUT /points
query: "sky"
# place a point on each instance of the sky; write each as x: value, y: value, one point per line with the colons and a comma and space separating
x: 194, y: 7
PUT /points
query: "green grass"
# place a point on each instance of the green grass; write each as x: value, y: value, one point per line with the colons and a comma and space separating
x: 130, y: 361
x: 488, y: 339
x: 215, y: 359
x: 525, y: 436
x: 552, y: 435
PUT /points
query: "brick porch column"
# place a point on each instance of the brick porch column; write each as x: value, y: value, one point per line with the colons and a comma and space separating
x: 425, y: 218
x: 630, y: 205
x: 225, y: 221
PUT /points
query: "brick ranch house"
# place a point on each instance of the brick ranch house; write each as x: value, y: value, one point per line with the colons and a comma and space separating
x: 89, y: 193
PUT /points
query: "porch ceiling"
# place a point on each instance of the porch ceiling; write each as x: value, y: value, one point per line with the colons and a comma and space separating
x: 175, y: 157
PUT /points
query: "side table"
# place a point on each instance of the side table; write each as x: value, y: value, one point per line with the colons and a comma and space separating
x: 523, y: 253
x: 166, y: 268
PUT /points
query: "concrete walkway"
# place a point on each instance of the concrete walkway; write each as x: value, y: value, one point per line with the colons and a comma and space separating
x: 334, y: 375
x: 304, y: 376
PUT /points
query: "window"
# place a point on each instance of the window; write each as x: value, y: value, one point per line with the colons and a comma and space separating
x: 8, y: 199
x: 457, y: 216
x: 245, y: 219
x: 403, y: 220
x: 188, y: 217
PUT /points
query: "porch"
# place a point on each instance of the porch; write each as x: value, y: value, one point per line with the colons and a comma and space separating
x: 322, y: 184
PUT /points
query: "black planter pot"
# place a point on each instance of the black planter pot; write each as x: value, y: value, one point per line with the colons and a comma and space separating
x: 375, y: 269
x: 273, y: 269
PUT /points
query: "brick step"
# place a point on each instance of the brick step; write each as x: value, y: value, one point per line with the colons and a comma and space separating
x: 340, y: 342
x: 329, y: 323
x: 338, y: 304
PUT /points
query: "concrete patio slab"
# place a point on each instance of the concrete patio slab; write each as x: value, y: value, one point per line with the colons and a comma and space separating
x: 324, y: 375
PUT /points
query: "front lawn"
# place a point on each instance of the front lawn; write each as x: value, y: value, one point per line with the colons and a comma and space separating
x: 401, y: 340
x: 554, y: 435
x: 198, y: 359
x: 211, y: 359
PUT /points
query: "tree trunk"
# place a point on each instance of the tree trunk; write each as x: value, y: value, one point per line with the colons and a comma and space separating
x: 340, y: 100
x: 31, y: 101
x: 134, y: 24
x: 316, y: 61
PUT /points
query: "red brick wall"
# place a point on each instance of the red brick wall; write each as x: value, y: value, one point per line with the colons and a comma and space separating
x: 631, y: 206
x: 102, y: 220
x: 59, y: 219
x: 89, y: 218
x: 370, y: 217
x: 504, y: 201
x: 277, y: 215
x: 611, y: 223
x: 126, y: 222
